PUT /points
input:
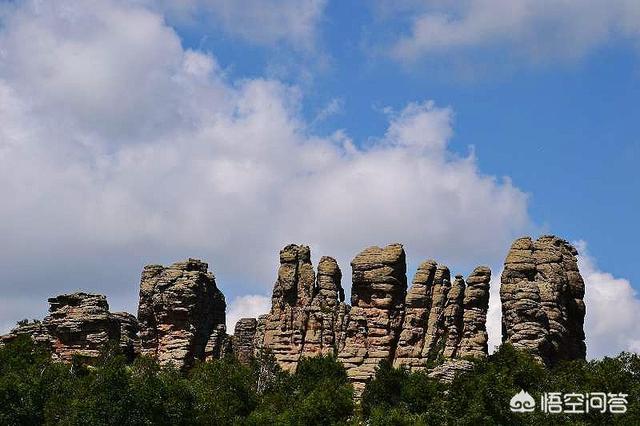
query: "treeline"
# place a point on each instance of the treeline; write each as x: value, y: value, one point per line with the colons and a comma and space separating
x: 35, y: 391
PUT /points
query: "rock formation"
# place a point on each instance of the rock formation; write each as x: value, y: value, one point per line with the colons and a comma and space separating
x: 181, y: 313
x: 437, y: 325
x: 80, y: 325
x: 243, y: 340
x: 379, y: 287
x: 305, y: 311
x: 443, y: 320
x: 542, y: 299
x: 476, y: 304
x: 434, y: 321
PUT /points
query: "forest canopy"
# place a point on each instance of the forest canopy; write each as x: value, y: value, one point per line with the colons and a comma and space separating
x: 35, y: 390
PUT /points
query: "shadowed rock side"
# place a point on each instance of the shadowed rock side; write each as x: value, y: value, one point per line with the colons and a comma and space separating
x: 542, y: 299
x: 242, y: 340
x: 443, y: 320
x: 181, y: 313
x: 377, y: 311
x: 80, y: 325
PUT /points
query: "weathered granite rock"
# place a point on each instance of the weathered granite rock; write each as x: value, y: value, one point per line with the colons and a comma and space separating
x: 453, y: 320
x: 375, y: 319
x: 542, y: 299
x: 181, y: 313
x: 326, y: 312
x: 35, y: 329
x: 285, y: 326
x: 243, y: 340
x: 435, y: 334
x: 476, y: 304
x: 129, y: 339
x: 305, y: 313
x: 449, y: 369
x: 80, y: 325
x: 443, y: 320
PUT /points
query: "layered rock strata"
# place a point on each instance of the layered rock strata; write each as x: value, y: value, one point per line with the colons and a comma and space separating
x: 377, y: 311
x: 181, y: 313
x: 436, y: 320
x: 305, y: 310
x: 243, y: 340
x: 443, y: 320
x: 79, y: 325
x: 542, y: 299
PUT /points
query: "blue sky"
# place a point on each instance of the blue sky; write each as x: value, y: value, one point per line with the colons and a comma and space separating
x: 151, y: 131
x: 565, y: 130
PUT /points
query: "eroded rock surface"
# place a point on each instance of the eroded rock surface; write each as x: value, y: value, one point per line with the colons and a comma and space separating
x: 443, y: 320
x: 80, y: 325
x: 377, y: 311
x: 181, y: 313
x: 243, y: 340
x: 542, y: 295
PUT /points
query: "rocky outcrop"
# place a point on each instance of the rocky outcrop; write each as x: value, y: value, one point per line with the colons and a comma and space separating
x: 243, y: 340
x: 443, y: 320
x: 437, y: 325
x: 306, y: 312
x: 377, y: 311
x: 283, y: 329
x: 79, y: 325
x: 435, y: 321
x: 542, y: 299
x: 474, y: 342
x: 181, y: 313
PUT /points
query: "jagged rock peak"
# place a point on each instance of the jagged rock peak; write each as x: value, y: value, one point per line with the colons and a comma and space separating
x: 542, y: 295
x: 181, y: 313
x: 296, y: 279
x: 328, y: 290
x: 443, y: 320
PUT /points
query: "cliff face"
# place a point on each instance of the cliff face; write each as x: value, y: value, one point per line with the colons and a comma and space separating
x: 181, y: 313
x: 542, y: 299
x: 438, y: 324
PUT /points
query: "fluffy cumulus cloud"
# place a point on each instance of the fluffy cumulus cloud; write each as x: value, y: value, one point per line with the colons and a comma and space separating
x: 120, y: 147
x: 534, y: 28
x: 613, y: 310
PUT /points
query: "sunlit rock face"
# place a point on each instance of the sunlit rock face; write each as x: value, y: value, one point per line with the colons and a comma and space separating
x: 419, y: 328
x: 542, y: 295
x: 181, y: 313
x: 80, y: 326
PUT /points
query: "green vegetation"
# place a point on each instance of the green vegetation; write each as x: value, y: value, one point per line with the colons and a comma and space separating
x: 34, y: 391
x: 481, y: 397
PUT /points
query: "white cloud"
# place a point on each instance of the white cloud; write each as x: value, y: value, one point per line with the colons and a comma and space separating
x: 533, y: 28
x: 264, y: 22
x: 249, y: 306
x: 613, y: 310
x: 119, y: 147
